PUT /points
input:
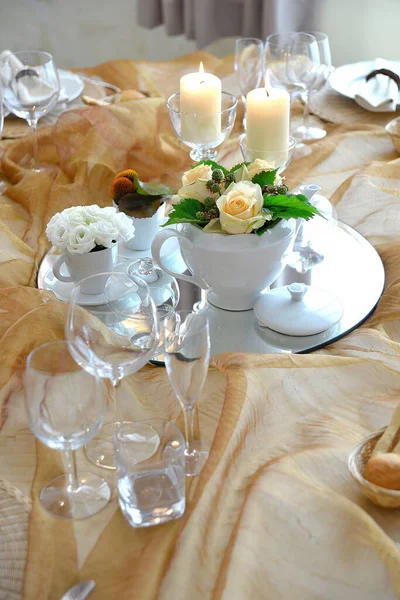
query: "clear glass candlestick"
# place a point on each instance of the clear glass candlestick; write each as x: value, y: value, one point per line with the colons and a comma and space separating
x: 203, y: 132
x: 278, y: 158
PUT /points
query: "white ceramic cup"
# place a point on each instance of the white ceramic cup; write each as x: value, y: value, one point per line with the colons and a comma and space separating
x: 83, y: 265
x: 145, y: 229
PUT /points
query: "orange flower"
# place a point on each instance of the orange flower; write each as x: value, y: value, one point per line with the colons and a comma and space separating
x: 129, y: 173
x: 122, y: 186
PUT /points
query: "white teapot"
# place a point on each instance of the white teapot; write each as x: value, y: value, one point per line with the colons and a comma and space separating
x: 234, y: 268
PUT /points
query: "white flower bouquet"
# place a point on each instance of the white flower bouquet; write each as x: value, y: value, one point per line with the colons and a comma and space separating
x: 82, y: 229
x: 249, y: 198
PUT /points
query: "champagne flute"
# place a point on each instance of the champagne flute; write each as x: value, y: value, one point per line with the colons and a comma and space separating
x: 114, y: 351
x: 65, y: 408
x: 324, y: 71
x: 249, y: 66
x: 187, y: 355
x: 31, y: 87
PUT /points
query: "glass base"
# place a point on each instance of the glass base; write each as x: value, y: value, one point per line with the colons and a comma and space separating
x: 198, y: 154
x: 92, y: 495
x: 195, y: 461
x: 100, y: 450
x: 309, y: 134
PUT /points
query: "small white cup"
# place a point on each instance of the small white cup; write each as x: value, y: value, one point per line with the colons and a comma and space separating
x: 83, y: 265
x: 145, y: 229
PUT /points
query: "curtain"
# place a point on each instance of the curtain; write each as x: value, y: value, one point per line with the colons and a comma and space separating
x: 208, y: 20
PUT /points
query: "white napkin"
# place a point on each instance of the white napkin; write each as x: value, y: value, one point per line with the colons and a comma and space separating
x: 29, y: 89
x: 379, y: 94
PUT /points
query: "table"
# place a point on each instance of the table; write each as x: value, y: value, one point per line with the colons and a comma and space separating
x: 274, y: 513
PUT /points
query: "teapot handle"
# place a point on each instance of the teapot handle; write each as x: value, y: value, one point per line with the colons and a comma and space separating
x: 159, y: 240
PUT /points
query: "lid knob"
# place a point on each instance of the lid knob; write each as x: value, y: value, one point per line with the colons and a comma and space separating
x: 297, y: 291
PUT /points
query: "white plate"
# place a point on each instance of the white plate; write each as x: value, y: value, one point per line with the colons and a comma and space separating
x: 348, y: 79
x: 71, y: 84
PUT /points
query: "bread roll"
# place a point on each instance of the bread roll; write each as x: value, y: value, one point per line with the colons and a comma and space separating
x: 384, y: 470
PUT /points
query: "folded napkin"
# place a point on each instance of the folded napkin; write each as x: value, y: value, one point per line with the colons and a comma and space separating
x: 27, y: 85
x: 379, y: 94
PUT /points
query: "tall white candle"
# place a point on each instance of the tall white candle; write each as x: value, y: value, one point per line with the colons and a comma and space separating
x: 267, y: 119
x: 200, y: 103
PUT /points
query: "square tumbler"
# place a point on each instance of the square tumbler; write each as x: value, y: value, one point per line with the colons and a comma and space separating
x: 150, y: 472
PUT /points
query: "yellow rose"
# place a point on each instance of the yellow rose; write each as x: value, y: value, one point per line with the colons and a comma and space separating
x: 199, y: 172
x: 240, y: 208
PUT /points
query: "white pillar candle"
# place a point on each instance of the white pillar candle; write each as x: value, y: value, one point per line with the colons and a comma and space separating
x: 267, y: 119
x: 200, y: 103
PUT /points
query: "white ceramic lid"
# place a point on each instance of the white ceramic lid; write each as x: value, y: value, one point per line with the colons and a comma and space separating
x: 298, y: 309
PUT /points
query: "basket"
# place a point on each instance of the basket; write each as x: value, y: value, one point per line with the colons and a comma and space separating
x: 356, y: 464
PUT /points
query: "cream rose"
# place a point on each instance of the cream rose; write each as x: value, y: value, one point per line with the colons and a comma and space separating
x: 199, y: 172
x: 246, y: 173
x: 240, y: 208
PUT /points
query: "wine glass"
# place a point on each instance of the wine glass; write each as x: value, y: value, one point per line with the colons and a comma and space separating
x: 163, y: 290
x: 31, y: 87
x: 324, y: 71
x: 115, y: 350
x: 277, y: 48
x: 249, y: 66
x: 303, y: 65
x: 65, y: 408
x: 187, y: 355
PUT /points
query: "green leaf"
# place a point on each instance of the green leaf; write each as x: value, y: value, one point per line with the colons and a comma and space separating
x: 239, y: 166
x: 265, y: 178
x: 212, y: 164
x: 267, y: 225
x: 156, y: 189
x: 185, y: 212
x: 287, y: 207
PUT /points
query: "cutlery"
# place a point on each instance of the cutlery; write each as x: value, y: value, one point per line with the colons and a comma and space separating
x: 98, y: 81
x: 80, y: 591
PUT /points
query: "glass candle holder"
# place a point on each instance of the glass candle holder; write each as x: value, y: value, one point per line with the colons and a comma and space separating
x: 203, y: 132
x: 278, y: 158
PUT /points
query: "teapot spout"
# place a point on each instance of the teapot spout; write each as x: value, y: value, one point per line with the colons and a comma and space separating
x: 309, y: 190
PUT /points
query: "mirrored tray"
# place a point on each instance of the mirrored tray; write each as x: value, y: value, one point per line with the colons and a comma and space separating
x: 349, y: 267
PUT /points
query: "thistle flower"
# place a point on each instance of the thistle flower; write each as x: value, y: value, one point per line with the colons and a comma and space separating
x: 122, y: 186
x: 129, y: 173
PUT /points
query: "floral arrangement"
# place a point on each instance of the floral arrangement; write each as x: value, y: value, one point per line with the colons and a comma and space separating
x: 249, y: 198
x: 137, y: 198
x: 82, y: 229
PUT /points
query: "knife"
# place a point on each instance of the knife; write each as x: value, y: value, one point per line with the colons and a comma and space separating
x: 80, y: 591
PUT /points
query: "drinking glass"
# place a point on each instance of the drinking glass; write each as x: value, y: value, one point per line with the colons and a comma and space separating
x: 249, y: 66
x: 324, y: 71
x: 163, y: 290
x: 31, y: 87
x: 150, y: 472
x: 114, y: 351
x: 187, y: 355
x: 65, y: 408
x: 293, y: 62
x: 203, y: 132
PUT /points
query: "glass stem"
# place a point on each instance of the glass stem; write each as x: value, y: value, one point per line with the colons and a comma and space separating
x: 117, y: 404
x: 70, y: 460
x: 306, y: 113
x: 33, y: 125
x: 244, y: 112
x: 188, y: 414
